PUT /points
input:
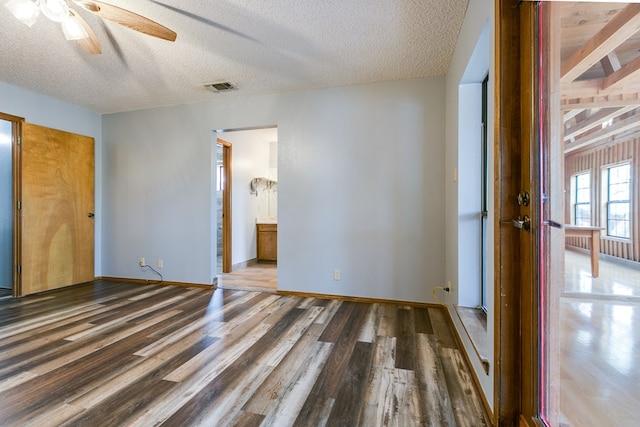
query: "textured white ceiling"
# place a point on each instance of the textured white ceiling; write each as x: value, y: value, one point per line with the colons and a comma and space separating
x: 260, y: 46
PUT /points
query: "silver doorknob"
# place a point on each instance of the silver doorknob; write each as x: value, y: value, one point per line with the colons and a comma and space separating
x: 524, y: 222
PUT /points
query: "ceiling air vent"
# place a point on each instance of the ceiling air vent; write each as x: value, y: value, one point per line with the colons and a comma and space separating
x: 220, y: 87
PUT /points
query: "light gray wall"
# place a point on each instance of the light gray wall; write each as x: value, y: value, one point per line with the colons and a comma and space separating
x: 53, y: 113
x: 461, y: 71
x: 159, y: 196
x: 361, y: 190
x: 360, y: 187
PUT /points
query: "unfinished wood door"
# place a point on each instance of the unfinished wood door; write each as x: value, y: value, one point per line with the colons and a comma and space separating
x: 512, y: 250
x: 524, y: 197
x: 530, y: 161
x: 57, y: 209
x: 518, y: 200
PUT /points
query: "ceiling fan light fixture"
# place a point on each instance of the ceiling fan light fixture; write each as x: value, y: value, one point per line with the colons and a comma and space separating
x: 73, y: 30
x: 26, y: 11
x: 56, y: 10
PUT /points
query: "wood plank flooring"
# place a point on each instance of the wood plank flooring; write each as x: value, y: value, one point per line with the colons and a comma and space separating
x: 259, y: 277
x: 600, y: 338
x: 114, y: 354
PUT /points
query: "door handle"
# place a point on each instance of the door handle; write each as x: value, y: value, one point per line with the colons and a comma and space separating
x: 523, y: 223
x: 91, y: 215
x: 553, y: 223
x: 517, y: 223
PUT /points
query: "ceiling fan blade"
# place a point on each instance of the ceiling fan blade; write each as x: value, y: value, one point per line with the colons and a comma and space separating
x: 91, y: 43
x: 127, y: 18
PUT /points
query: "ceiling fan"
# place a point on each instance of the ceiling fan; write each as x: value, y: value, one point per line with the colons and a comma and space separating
x: 76, y: 28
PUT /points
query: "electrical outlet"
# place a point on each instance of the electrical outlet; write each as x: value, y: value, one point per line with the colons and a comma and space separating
x: 160, y: 263
x: 336, y: 274
x: 141, y: 262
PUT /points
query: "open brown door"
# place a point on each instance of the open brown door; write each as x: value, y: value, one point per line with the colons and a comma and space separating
x: 529, y: 199
x: 57, y: 243
x: 517, y: 205
x: 508, y: 164
x: 529, y: 159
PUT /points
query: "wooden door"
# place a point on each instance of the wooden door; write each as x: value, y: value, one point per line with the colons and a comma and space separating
x: 528, y: 158
x: 508, y: 183
x: 528, y: 200
x: 518, y: 197
x: 57, y: 209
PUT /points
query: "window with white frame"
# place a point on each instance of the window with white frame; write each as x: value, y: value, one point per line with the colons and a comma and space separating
x: 616, y: 186
x: 219, y: 177
x: 581, y: 199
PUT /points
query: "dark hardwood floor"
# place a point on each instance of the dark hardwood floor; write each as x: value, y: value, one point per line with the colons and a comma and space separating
x: 114, y: 354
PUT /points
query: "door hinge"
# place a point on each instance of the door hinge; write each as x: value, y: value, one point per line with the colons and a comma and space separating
x: 19, y: 205
x: 19, y: 269
x: 19, y: 140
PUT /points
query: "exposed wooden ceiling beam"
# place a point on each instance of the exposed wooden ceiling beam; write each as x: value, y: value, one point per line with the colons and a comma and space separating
x: 593, y: 87
x: 606, y: 142
x: 589, y: 94
x: 606, y: 101
x: 625, y: 75
x: 619, y: 127
x: 624, y: 25
x: 610, y: 63
x: 596, y: 120
x: 570, y: 114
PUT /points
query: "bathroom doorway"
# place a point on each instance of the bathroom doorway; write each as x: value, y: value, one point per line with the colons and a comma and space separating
x: 6, y: 208
x: 251, y: 179
x: 223, y: 205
